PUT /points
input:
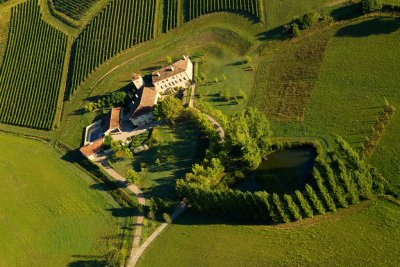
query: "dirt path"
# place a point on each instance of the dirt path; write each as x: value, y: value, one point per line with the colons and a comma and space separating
x: 142, y: 201
x: 133, y: 260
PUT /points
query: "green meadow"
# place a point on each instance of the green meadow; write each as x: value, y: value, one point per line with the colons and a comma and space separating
x: 51, y: 212
x: 364, y: 235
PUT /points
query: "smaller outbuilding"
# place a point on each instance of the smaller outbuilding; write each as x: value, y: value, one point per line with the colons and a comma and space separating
x: 91, y: 150
x: 143, y: 113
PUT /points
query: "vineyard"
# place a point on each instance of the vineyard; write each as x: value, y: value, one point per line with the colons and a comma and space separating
x: 74, y: 9
x: 196, y: 8
x: 122, y: 24
x: 172, y: 14
x: 31, y: 72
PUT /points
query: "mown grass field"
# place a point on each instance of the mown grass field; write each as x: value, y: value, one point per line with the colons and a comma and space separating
x: 50, y: 214
x: 364, y: 235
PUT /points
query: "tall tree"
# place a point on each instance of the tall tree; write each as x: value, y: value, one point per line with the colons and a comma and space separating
x: 249, y: 136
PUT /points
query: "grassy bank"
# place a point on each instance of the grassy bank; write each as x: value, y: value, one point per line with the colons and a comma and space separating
x: 52, y: 213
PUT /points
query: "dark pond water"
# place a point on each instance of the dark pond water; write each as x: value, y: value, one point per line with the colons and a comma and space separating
x: 283, y: 172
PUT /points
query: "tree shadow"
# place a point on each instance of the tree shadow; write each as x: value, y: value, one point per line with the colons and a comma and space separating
x: 88, y: 261
x: 122, y: 212
x: 347, y: 12
x: 277, y: 34
x: 371, y: 27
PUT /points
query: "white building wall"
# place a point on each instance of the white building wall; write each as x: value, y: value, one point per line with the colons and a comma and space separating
x: 139, y: 83
x: 189, y: 71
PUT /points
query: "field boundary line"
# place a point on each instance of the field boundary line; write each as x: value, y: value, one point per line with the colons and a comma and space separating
x: 63, y: 87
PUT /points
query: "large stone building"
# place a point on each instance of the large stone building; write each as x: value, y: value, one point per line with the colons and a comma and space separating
x: 176, y: 75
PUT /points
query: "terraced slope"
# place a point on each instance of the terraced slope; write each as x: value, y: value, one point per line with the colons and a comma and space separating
x: 31, y: 71
x: 74, y: 9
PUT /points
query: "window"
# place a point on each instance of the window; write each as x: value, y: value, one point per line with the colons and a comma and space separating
x: 180, y: 80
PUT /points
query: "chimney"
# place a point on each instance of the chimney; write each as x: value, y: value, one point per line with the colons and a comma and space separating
x: 184, y: 57
x: 171, y: 68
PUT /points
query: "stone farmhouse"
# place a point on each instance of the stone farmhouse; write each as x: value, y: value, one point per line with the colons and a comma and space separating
x: 176, y: 75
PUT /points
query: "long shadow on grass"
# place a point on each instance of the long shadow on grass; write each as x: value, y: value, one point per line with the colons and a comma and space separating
x: 176, y: 157
x: 192, y: 217
x: 371, y: 27
x: 88, y: 261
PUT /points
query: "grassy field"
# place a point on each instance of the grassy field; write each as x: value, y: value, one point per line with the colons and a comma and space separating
x: 356, y: 76
x: 224, y: 72
x: 280, y: 12
x: 51, y: 214
x: 364, y: 235
x: 180, y: 148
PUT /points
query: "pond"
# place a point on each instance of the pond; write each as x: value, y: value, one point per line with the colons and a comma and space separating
x: 283, y: 172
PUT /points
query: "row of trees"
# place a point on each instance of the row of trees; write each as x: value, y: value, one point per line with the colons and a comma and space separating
x: 121, y: 25
x: 31, y: 72
x: 115, y: 98
x: 378, y: 129
x: 196, y: 8
x: 340, y: 180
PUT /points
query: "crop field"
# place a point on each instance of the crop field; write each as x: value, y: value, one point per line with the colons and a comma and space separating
x: 365, y: 235
x: 196, y: 8
x: 51, y: 213
x: 115, y: 29
x: 74, y: 9
x: 30, y: 82
x: 172, y: 14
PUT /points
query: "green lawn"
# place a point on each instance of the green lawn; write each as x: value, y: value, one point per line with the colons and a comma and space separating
x: 51, y: 214
x: 179, y: 149
x: 364, y: 235
x: 232, y: 76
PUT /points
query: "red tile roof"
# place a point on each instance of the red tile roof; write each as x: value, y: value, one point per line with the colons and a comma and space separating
x: 147, y: 96
x: 112, y: 120
x: 92, y: 148
x: 170, y: 70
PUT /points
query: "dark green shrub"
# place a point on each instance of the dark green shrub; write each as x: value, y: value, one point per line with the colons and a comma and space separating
x: 293, y: 208
x: 369, y: 6
x: 317, y: 204
x: 307, y: 210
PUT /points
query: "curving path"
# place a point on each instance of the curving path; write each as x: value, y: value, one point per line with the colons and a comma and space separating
x: 218, y: 127
x: 102, y: 161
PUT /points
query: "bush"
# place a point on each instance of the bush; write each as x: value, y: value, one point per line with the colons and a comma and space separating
x: 133, y: 177
x: 309, y: 20
x: 167, y: 218
x: 369, y: 6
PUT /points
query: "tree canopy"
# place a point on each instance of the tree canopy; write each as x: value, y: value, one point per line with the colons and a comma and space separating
x: 169, y: 109
x: 249, y: 136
